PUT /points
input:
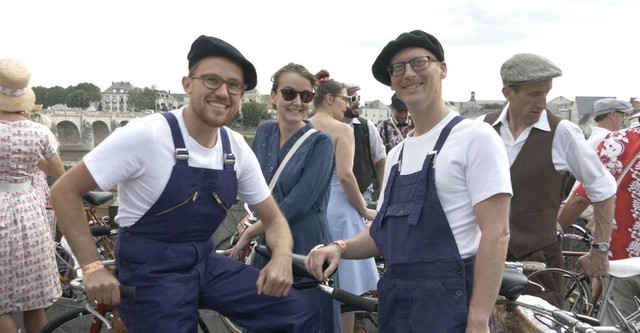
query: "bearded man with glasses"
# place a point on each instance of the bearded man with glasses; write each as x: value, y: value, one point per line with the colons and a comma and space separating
x: 370, y: 154
x: 178, y: 173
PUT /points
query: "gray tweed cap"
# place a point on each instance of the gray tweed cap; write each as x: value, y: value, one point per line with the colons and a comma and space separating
x: 608, y: 105
x: 526, y: 68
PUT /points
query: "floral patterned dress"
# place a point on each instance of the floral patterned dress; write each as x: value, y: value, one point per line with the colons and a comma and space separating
x: 28, y: 271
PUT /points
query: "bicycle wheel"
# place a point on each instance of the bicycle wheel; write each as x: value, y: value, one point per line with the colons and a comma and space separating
x: 230, y: 325
x: 76, y: 321
x: 577, y: 297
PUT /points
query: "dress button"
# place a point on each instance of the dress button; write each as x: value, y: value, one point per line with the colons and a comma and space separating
x: 458, y: 292
x: 270, y: 169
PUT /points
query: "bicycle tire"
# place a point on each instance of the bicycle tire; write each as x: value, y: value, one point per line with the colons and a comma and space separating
x: 578, y: 295
x: 77, y: 320
x: 230, y: 325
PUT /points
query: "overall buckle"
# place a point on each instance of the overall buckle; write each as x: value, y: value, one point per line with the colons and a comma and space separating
x: 182, y: 153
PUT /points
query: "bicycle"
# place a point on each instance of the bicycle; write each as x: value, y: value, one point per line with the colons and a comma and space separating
x: 84, y: 317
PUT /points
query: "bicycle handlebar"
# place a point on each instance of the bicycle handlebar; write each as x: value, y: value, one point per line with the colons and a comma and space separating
x: 567, y: 319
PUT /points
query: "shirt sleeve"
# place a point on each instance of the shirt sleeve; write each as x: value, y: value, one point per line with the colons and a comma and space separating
x: 378, y: 151
x: 572, y: 154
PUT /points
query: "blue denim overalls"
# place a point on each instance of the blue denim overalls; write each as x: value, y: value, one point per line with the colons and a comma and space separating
x: 427, y: 286
x: 168, y: 256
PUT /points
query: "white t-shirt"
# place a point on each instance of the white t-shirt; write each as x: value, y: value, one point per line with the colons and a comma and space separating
x: 139, y: 158
x: 471, y: 167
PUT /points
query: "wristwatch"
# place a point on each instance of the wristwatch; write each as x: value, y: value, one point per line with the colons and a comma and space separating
x: 601, y: 247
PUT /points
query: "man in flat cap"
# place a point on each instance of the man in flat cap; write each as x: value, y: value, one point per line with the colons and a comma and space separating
x: 543, y: 150
x: 609, y: 115
x: 178, y: 173
x: 442, y: 224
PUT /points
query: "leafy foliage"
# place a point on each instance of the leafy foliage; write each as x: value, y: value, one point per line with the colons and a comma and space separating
x: 142, y: 99
x: 253, y: 113
x: 77, y: 99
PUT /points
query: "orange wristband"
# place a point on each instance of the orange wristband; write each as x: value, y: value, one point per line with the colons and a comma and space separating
x: 92, y: 267
x: 342, y: 245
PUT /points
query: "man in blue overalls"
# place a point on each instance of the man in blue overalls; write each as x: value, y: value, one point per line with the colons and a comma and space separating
x: 442, y: 225
x: 178, y: 173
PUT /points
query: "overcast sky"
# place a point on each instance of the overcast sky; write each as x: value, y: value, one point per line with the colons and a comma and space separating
x: 146, y: 42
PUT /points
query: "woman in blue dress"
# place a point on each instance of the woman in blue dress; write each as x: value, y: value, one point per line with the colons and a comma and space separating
x: 302, y: 190
x: 347, y: 207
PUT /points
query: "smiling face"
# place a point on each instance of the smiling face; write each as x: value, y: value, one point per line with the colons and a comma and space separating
x: 294, y: 111
x: 527, y: 101
x: 424, y: 85
x: 213, y: 107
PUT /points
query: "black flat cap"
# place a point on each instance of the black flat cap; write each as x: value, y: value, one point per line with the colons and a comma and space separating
x: 207, y: 46
x: 416, y: 38
x: 398, y: 104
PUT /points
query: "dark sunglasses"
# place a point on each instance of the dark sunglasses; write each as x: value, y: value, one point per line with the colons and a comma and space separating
x: 290, y: 94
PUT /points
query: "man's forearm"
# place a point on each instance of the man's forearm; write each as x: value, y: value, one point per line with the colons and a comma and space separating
x: 603, y: 212
x: 572, y: 209
x: 488, y: 271
x: 279, y: 237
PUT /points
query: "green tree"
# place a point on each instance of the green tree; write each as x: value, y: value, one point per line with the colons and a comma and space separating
x: 77, y: 99
x: 41, y: 95
x: 142, y: 99
x: 55, y: 95
x: 253, y: 112
x: 93, y: 92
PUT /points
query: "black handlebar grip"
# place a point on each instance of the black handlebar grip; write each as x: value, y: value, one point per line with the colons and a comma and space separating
x: 100, y: 230
x: 356, y: 301
x: 128, y: 292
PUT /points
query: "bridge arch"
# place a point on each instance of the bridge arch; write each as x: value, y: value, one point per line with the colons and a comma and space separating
x: 100, y: 132
x: 68, y: 133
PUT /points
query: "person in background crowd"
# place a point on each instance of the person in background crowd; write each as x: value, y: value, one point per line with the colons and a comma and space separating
x: 619, y: 153
x: 302, y: 189
x: 40, y: 181
x: 395, y: 129
x: 347, y: 207
x: 543, y: 150
x: 28, y: 271
x: 173, y: 194
x: 442, y: 224
x: 609, y: 115
x: 370, y: 156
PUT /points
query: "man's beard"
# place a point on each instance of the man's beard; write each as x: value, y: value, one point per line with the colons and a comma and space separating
x: 350, y: 113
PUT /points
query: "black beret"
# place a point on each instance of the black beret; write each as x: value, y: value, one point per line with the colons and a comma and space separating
x: 416, y: 38
x: 206, y: 46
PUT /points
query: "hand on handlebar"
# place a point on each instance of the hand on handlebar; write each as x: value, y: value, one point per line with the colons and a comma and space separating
x: 369, y: 214
x: 317, y: 257
x: 102, y: 287
x: 237, y: 251
x: 276, y: 278
x: 594, y: 264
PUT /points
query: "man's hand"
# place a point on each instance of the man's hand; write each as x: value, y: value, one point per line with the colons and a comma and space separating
x: 316, y: 258
x: 101, y: 286
x: 594, y: 264
x: 276, y: 277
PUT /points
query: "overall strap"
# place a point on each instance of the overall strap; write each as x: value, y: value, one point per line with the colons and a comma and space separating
x: 229, y: 160
x: 182, y: 153
x: 445, y: 134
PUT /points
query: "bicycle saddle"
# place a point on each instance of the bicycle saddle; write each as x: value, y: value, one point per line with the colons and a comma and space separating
x: 623, y: 268
x: 96, y: 198
x: 513, y: 283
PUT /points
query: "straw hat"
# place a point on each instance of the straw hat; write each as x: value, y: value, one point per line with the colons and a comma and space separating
x: 15, y: 93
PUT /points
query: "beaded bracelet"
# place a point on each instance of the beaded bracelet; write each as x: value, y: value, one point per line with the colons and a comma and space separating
x: 342, y: 245
x: 92, y: 267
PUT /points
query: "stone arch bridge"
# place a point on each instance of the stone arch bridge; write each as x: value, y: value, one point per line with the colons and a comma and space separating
x: 81, y: 131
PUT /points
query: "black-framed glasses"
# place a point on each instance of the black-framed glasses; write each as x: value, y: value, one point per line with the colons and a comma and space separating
x: 346, y: 98
x: 214, y: 82
x: 417, y: 64
x: 289, y: 95
x: 354, y: 98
